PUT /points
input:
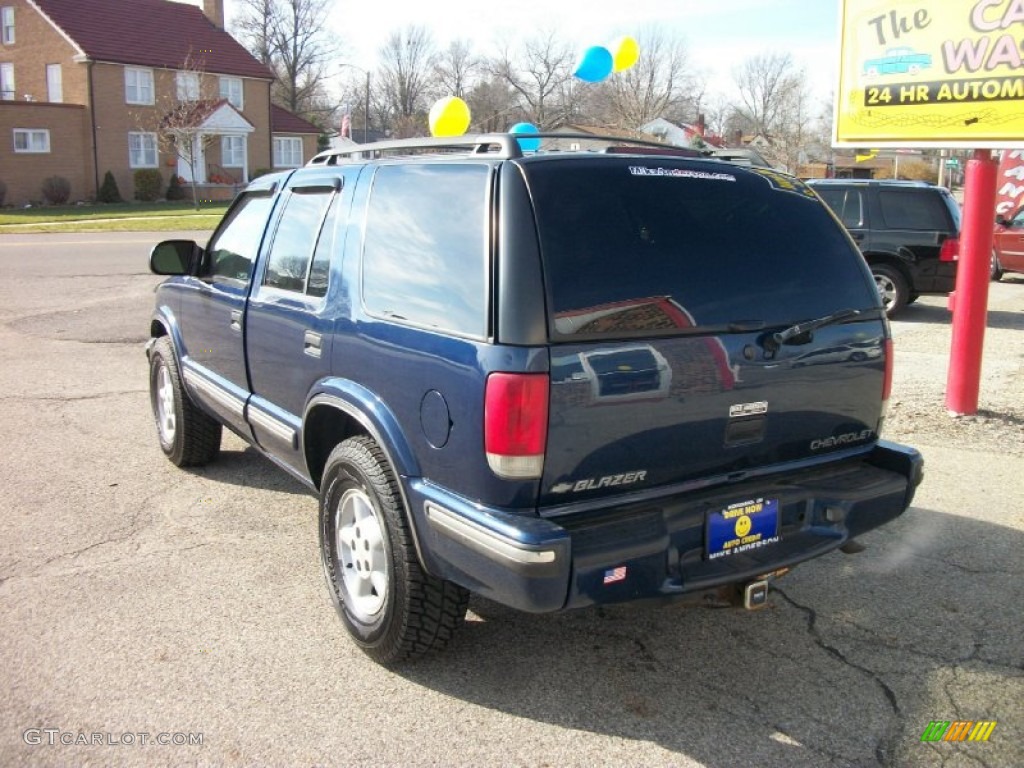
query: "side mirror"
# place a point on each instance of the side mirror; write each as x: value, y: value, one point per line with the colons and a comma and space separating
x: 173, y: 257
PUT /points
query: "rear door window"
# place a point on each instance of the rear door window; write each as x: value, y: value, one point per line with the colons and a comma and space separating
x: 651, y: 250
x: 848, y: 205
x: 297, y: 234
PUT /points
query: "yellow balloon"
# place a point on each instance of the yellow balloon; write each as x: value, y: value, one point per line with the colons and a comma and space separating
x: 625, y: 53
x: 449, y: 117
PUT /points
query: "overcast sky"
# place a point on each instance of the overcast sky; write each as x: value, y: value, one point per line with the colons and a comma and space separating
x: 718, y: 33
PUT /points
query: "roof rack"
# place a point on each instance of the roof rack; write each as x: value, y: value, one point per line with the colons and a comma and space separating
x: 503, y: 145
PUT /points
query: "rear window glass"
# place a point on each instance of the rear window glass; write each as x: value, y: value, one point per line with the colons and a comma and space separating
x: 913, y: 209
x: 425, y: 253
x: 666, y: 245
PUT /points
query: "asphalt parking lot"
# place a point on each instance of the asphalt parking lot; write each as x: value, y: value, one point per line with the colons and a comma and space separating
x: 139, y: 601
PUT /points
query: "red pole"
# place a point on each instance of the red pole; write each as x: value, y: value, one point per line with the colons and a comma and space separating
x: 971, y: 302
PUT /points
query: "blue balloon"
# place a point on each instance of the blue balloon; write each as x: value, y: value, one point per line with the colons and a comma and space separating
x: 596, y: 64
x: 527, y: 145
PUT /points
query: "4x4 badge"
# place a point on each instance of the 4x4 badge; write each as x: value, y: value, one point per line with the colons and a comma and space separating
x: 748, y: 409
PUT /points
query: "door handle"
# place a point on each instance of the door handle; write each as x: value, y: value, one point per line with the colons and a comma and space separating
x: 311, y: 343
x: 236, y: 320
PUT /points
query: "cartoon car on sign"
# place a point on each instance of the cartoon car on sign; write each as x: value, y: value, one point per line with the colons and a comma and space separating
x: 898, y: 61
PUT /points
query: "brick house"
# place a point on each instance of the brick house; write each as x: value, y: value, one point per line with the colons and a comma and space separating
x: 85, y: 84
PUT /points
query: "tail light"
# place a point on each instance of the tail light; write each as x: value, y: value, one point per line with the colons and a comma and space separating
x: 950, y: 250
x: 886, y: 383
x: 516, y: 424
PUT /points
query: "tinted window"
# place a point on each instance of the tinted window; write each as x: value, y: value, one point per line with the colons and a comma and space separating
x: 847, y: 204
x: 233, y: 248
x: 319, y: 271
x: 296, y: 235
x: 645, y: 249
x: 425, y: 248
x: 915, y: 209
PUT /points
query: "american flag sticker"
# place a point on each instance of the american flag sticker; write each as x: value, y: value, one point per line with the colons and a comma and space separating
x: 613, y: 575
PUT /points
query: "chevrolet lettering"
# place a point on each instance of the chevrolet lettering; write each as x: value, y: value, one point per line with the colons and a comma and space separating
x: 840, y: 440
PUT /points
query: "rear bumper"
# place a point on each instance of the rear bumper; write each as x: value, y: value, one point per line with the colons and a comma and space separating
x: 655, y: 547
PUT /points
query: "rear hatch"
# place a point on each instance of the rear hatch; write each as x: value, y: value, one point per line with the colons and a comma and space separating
x: 667, y: 283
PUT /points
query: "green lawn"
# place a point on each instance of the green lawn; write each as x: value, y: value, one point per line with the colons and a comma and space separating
x: 112, y: 217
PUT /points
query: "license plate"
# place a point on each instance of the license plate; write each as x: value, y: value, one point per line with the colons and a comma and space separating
x: 742, y: 527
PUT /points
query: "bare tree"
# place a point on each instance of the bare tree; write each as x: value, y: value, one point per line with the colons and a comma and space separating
x: 255, y: 27
x: 716, y: 110
x: 494, y: 105
x: 659, y: 84
x: 404, y: 76
x: 290, y: 37
x: 540, y: 74
x: 456, y: 69
x: 768, y: 84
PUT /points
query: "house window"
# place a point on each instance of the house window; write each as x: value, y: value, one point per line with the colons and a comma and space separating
x: 287, y: 152
x: 7, y: 20
x: 31, y: 140
x: 138, y: 85
x: 188, y: 86
x: 54, y: 84
x: 232, y: 151
x: 231, y: 89
x: 6, y: 81
x: 142, y: 150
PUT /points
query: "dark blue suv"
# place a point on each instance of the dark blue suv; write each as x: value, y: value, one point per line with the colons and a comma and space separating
x: 552, y: 379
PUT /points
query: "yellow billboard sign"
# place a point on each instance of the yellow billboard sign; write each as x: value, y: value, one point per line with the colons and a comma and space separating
x: 919, y: 73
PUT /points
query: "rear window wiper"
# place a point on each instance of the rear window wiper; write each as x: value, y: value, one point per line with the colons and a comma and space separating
x: 776, y: 340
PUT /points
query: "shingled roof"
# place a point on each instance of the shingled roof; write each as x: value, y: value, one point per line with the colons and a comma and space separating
x: 283, y: 121
x: 150, y: 33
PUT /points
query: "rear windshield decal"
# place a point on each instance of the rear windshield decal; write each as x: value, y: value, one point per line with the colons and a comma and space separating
x: 642, y: 170
x: 784, y: 183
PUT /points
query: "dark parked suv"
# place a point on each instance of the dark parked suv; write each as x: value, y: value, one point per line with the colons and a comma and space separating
x: 553, y: 379
x: 908, y: 232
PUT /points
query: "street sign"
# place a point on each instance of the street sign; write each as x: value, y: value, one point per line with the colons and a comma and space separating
x: 952, y: 163
x: 916, y: 74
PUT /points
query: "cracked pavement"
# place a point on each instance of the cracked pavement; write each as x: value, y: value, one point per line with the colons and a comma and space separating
x: 135, y: 597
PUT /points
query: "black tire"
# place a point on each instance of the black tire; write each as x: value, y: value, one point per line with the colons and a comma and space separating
x: 391, y: 608
x: 913, y: 297
x: 892, y: 287
x: 188, y: 436
x: 995, y: 269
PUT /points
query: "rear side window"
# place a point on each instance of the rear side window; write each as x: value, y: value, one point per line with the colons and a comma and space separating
x: 640, y: 251
x: 913, y: 209
x: 848, y: 205
x: 425, y: 252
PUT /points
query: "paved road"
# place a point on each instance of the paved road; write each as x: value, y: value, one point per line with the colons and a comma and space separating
x: 137, y: 598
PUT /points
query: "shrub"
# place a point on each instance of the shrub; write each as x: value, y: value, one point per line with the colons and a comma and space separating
x: 3, y: 193
x: 915, y: 170
x: 56, y: 190
x: 148, y: 183
x: 109, y: 193
x: 174, y: 190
